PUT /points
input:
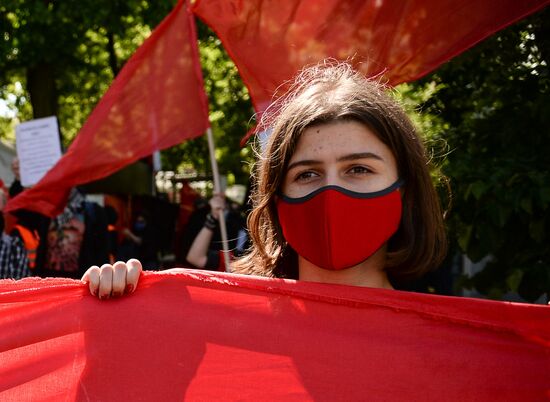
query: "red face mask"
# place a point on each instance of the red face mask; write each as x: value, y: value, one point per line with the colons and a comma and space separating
x: 335, y: 228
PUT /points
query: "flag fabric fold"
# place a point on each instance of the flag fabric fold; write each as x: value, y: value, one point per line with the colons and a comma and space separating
x: 270, y: 40
x: 197, y: 335
x: 156, y: 101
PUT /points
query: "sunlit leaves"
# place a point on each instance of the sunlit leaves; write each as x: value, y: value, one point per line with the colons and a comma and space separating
x: 494, y: 100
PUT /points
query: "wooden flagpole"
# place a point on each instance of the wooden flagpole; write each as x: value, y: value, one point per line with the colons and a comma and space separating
x: 217, y: 190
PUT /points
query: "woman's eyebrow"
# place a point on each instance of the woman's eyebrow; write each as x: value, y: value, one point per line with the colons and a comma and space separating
x: 305, y: 162
x: 360, y: 155
x: 349, y: 157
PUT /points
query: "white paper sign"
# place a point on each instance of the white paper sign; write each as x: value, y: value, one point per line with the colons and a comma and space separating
x: 38, y: 148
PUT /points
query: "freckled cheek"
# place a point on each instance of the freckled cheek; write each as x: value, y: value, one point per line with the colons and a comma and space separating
x: 285, y: 186
x: 368, y: 185
x: 385, y: 181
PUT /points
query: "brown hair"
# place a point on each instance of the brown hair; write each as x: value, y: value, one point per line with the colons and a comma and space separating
x: 332, y: 92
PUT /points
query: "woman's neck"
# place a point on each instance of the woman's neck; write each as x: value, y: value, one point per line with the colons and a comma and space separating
x: 369, y: 273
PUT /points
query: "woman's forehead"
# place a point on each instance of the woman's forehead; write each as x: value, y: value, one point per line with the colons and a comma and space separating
x: 333, y: 139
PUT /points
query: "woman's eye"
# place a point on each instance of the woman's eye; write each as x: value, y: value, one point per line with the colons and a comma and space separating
x: 359, y: 170
x: 305, y: 176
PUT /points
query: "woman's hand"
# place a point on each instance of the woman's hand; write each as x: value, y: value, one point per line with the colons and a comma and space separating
x: 113, y: 280
x: 217, y: 205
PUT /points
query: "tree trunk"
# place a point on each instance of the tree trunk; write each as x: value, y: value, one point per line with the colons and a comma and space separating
x: 42, y: 89
x: 113, y: 61
x: 542, y: 35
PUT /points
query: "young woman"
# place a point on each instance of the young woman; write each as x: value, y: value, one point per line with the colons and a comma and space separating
x: 343, y: 191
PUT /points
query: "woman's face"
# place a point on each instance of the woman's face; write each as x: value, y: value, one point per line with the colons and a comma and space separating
x: 342, y: 153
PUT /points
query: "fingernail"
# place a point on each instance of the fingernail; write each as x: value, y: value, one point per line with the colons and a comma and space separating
x: 129, y: 288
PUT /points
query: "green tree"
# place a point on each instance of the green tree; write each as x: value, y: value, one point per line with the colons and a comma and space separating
x: 494, y: 103
x: 65, y: 54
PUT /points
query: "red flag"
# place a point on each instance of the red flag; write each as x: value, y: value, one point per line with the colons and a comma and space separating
x: 211, y: 336
x: 155, y: 102
x: 270, y: 40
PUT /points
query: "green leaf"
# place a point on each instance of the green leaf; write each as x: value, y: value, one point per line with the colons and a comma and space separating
x: 527, y: 205
x: 536, y: 230
x: 513, y: 280
x: 464, y: 238
x: 478, y: 189
x: 504, y: 214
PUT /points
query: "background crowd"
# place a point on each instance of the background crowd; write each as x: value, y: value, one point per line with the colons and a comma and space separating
x: 86, y: 233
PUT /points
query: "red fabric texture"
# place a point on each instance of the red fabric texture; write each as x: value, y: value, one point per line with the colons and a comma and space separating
x: 156, y: 101
x: 334, y: 230
x: 270, y: 40
x: 213, y: 336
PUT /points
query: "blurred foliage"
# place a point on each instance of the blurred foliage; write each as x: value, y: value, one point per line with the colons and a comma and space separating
x: 491, y: 106
x: 70, y: 42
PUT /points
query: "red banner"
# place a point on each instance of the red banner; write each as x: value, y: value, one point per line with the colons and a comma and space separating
x: 156, y: 101
x: 270, y: 40
x: 197, y: 335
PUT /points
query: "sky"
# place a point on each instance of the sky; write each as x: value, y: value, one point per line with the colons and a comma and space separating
x: 5, y: 111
